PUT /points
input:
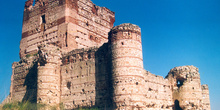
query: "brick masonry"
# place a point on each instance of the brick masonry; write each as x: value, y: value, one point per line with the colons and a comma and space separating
x: 71, y: 54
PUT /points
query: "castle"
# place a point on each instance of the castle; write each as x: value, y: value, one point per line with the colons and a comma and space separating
x: 71, y: 54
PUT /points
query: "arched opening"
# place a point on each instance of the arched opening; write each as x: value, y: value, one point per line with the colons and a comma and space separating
x: 177, y: 105
x: 179, y: 82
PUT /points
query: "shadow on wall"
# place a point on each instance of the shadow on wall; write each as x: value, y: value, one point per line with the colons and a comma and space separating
x: 31, y: 85
x: 104, y: 88
x: 103, y: 85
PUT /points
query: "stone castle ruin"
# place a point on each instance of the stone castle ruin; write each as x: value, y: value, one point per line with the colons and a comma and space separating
x: 71, y: 54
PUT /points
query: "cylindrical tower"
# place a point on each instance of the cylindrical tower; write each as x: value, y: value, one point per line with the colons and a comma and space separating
x: 127, y: 66
x: 48, y: 82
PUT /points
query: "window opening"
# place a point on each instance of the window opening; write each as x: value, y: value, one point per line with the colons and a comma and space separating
x: 43, y: 19
x: 68, y: 85
x: 122, y: 43
x: 87, y: 23
x: 179, y: 83
x: 66, y: 39
x: 43, y: 22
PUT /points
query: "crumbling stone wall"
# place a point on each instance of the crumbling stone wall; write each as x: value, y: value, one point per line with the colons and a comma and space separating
x: 105, y: 77
x: 158, y: 92
x: 85, y: 78
x: 24, y: 80
x: 48, y: 79
x: 70, y: 24
x: 92, y: 23
x: 205, y: 97
x: 186, y: 87
x: 83, y: 62
x: 41, y: 23
x: 127, y: 67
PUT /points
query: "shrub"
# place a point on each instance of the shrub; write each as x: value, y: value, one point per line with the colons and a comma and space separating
x: 28, y: 55
x: 22, y: 106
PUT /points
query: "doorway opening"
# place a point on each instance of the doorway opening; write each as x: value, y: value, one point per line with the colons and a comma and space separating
x: 177, y: 105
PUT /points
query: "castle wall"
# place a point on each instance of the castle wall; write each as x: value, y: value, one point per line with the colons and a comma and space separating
x: 41, y: 23
x: 92, y: 78
x: 23, y: 84
x: 84, y: 81
x: 205, y: 97
x: 18, y: 90
x: 70, y: 24
x: 76, y: 61
x: 158, y: 92
x: 186, y: 85
x: 88, y: 23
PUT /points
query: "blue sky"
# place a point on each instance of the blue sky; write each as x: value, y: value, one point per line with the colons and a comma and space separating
x: 174, y: 33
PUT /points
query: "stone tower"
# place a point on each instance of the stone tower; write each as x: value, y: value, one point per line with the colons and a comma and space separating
x: 127, y: 66
x: 69, y: 24
x: 205, y: 96
x: 187, y: 91
x: 48, y: 80
x: 72, y: 55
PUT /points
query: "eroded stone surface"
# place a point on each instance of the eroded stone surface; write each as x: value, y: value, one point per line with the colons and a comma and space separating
x: 187, y: 89
x: 70, y: 24
x: 70, y: 54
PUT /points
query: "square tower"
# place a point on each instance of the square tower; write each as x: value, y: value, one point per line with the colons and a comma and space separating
x: 69, y: 24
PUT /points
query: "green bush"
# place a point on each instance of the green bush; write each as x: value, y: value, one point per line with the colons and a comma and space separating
x: 28, y: 55
x: 22, y: 106
x: 35, y: 54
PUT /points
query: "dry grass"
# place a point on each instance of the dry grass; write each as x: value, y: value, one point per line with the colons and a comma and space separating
x: 29, y: 106
x: 34, y: 106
